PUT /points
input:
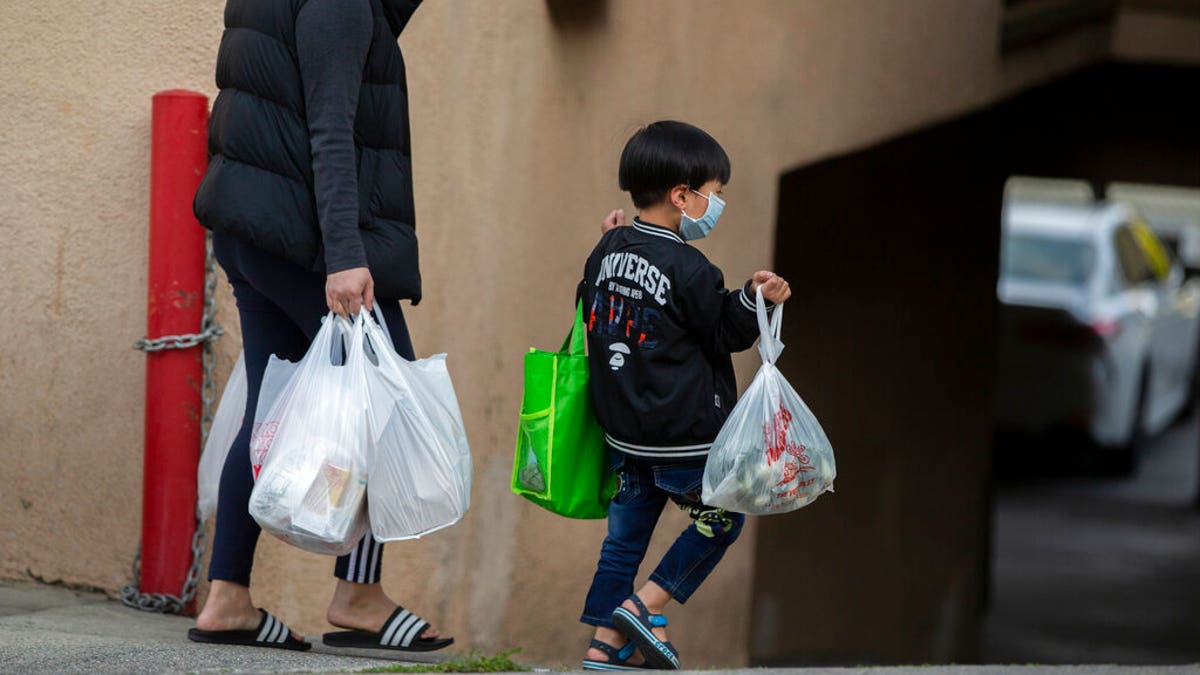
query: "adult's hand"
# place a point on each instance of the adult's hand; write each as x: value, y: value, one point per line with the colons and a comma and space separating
x: 774, y: 287
x: 615, y: 219
x: 349, y: 290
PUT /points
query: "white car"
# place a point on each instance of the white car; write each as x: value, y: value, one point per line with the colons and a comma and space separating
x: 1098, y: 329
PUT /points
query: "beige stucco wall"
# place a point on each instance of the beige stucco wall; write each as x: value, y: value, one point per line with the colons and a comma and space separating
x: 1157, y: 35
x: 518, y: 120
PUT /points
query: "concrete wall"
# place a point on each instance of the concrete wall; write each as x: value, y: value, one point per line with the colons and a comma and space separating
x: 1158, y: 31
x: 519, y: 113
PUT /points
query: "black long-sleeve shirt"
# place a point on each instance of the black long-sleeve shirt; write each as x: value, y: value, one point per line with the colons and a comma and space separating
x: 332, y: 39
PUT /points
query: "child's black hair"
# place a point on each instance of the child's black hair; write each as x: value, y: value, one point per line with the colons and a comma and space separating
x: 664, y: 154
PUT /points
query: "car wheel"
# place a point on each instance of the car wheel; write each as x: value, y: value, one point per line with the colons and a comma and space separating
x: 1193, y: 395
x: 1125, y: 459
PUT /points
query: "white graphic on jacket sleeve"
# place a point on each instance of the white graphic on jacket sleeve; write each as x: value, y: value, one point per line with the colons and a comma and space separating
x: 619, y: 349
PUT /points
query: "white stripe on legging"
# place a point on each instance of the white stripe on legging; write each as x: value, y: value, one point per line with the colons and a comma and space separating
x: 363, y: 565
x: 365, y: 556
x: 350, y: 567
x: 377, y: 547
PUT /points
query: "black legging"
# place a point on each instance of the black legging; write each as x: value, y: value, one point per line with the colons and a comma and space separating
x: 281, y: 305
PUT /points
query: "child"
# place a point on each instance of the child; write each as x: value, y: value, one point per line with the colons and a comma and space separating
x: 661, y: 327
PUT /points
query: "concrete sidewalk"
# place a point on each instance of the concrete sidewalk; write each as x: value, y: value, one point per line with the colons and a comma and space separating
x: 45, y: 629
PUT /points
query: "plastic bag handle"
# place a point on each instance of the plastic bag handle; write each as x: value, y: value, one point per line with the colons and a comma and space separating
x: 377, y: 333
x: 352, y: 332
x: 574, y: 342
x: 382, y: 322
x: 769, y: 344
x: 341, y: 329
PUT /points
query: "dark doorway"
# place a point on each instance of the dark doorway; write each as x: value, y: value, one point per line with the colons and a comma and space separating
x: 892, y: 253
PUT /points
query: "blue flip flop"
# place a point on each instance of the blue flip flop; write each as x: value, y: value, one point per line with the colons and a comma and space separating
x: 616, y: 657
x: 639, y: 629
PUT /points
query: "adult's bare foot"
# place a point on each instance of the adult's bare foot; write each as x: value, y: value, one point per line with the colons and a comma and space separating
x: 229, y: 607
x: 363, y: 607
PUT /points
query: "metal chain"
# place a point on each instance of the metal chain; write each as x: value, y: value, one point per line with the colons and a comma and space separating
x: 209, y: 331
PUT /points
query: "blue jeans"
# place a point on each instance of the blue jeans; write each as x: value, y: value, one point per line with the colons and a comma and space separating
x: 646, y: 485
x: 280, y: 305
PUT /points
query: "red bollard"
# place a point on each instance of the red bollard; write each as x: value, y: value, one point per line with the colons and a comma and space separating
x: 178, y: 158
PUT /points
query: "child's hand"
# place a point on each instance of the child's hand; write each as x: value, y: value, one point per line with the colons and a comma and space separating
x: 774, y: 287
x: 615, y: 219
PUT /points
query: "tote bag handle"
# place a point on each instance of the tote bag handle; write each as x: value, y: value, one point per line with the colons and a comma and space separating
x: 574, y: 343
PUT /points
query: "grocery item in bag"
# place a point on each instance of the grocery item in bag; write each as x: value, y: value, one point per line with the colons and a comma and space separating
x: 311, y: 488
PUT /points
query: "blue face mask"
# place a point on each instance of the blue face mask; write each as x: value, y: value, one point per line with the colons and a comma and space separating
x: 691, y: 229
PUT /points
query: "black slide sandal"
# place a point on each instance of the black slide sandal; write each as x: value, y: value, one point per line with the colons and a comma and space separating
x: 271, y: 632
x: 399, y: 633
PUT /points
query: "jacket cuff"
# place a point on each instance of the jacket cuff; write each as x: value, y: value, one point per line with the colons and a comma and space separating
x: 343, y: 263
x: 748, y: 298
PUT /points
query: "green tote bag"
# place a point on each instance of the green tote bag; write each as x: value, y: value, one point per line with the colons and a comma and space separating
x: 561, y: 459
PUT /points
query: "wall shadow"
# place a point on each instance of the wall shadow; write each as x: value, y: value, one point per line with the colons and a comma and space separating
x: 892, y: 253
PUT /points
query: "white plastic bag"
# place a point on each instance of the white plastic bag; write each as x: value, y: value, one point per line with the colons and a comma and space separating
x: 313, y: 481
x: 421, y: 473
x: 226, y: 424
x: 771, y: 455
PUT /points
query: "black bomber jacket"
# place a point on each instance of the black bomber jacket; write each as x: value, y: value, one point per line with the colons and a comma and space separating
x: 660, y: 330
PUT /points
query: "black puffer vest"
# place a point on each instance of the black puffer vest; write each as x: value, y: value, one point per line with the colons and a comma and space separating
x: 259, y: 183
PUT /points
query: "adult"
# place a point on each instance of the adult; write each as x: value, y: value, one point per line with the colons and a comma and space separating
x: 308, y: 194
